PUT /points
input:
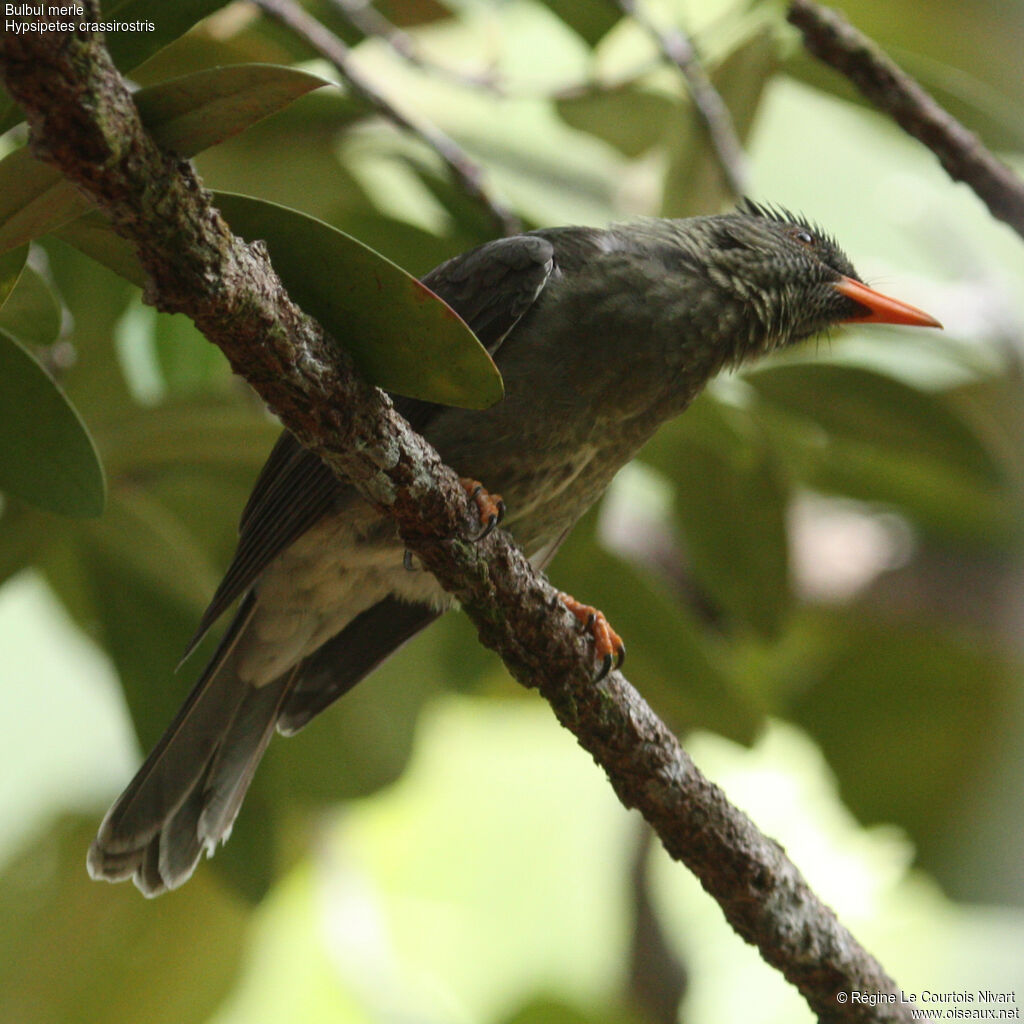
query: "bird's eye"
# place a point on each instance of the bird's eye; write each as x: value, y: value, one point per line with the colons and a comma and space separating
x: 802, y: 236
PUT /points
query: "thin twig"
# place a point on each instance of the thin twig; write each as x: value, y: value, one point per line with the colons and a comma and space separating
x: 676, y: 47
x: 83, y: 121
x: 331, y: 48
x: 366, y: 19
x: 832, y: 39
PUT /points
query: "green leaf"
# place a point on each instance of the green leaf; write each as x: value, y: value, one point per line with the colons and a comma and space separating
x: 401, y: 336
x: 34, y: 199
x: 92, y: 235
x: 46, y: 454
x: 192, y: 113
x: 169, y: 21
x: 32, y: 312
x: 96, y: 384
x: 887, y: 442
x: 857, y: 403
x: 730, y: 502
x: 175, y: 436
x: 142, y: 537
x: 129, y: 49
x: 24, y: 533
x: 139, y: 622
x: 591, y: 21
x: 112, y: 946
x: 472, y: 225
x: 629, y: 117
x: 187, y: 114
x: 983, y: 106
x: 11, y: 265
x: 912, y: 715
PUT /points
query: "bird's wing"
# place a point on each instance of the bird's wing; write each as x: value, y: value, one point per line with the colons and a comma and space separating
x: 490, y: 288
x: 349, y: 656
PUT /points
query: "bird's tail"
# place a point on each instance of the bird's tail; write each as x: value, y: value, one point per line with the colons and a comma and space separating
x: 184, y: 798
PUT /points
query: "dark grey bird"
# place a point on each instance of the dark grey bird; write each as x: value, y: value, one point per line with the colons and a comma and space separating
x: 601, y: 336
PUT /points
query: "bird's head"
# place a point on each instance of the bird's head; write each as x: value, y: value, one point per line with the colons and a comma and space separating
x: 792, y: 277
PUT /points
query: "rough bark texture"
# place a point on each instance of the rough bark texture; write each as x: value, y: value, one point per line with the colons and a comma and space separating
x: 83, y: 121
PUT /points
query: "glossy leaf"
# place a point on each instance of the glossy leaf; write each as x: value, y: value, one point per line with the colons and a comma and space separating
x: 92, y: 235
x: 32, y: 312
x: 187, y: 115
x: 46, y: 454
x: 401, y: 336
x: 192, y: 113
x: 11, y: 265
x: 97, y: 300
x: 129, y: 49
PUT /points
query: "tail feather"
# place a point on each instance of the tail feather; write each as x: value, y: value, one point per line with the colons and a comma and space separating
x: 176, y: 849
x: 184, y: 798
x: 177, y: 813
x: 178, y: 760
x: 239, y: 754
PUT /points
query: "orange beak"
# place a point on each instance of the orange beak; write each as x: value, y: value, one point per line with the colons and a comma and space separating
x: 880, y: 309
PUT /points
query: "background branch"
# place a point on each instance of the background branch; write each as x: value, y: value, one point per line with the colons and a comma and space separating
x: 676, y: 47
x: 366, y: 19
x: 462, y: 168
x: 831, y: 38
x: 196, y: 266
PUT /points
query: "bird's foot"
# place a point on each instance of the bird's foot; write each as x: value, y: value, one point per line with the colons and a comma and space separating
x: 608, y: 645
x: 490, y: 508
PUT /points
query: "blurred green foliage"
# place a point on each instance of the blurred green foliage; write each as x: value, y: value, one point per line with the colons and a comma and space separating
x: 832, y: 538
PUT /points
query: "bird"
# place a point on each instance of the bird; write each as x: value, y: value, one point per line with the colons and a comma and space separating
x: 601, y: 336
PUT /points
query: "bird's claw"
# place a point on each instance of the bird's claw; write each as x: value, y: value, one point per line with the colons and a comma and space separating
x: 490, y: 508
x: 608, y: 645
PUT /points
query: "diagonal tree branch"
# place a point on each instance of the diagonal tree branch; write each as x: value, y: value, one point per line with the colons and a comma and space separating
x: 366, y: 19
x: 831, y: 38
x: 83, y: 121
x: 465, y: 172
x: 676, y: 47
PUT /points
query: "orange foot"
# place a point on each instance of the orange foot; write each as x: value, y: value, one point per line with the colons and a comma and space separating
x: 606, y: 641
x: 490, y: 508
